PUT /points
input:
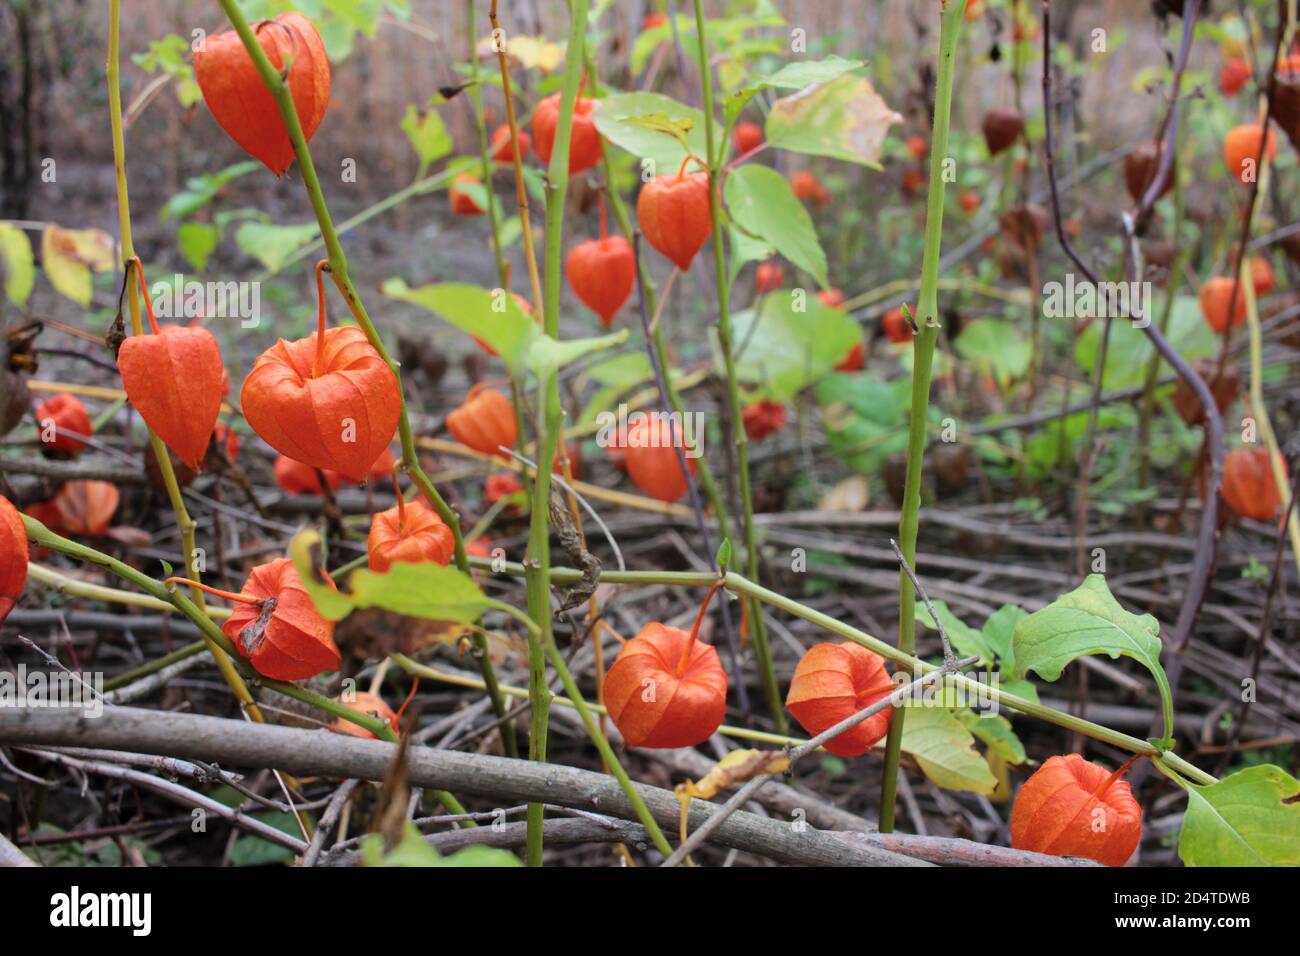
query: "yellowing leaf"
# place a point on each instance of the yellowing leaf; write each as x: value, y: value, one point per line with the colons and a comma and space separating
x: 844, y: 119
x: 736, y: 767
x: 69, y: 256
x: 16, y: 261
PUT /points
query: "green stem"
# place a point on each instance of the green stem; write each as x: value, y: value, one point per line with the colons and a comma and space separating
x: 184, y: 523
x: 155, y: 665
x: 279, y: 90
x: 757, y: 627
x: 923, y: 356
x: 550, y: 414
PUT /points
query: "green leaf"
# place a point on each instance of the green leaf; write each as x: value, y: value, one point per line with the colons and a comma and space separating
x: 424, y: 590
x: 272, y: 245
x: 428, y: 135
x: 945, y: 750
x: 762, y: 203
x: 844, y: 119
x: 864, y: 419
x: 621, y: 119
x: 999, y: 634
x: 1088, y: 620
x: 487, y: 314
x: 997, y: 348
x: 18, y: 263
x: 1251, y: 818
x: 996, y: 733
x: 1130, y: 350
x: 547, y: 355
x: 797, y: 342
x: 199, y: 191
x: 198, y: 240
x: 625, y: 371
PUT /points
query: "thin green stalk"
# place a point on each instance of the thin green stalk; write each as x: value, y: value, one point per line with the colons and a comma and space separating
x: 1173, y: 282
x: 923, y: 356
x: 279, y: 90
x: 184, y: 523
x: 155, y: 665
x: 485, y: 161
x: 509, y: 736
x: 550, y: 414
x: 757, y: 627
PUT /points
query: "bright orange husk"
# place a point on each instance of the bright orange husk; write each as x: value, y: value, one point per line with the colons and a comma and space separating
x: 67, y: 414
x: 1249, y: 488
x: 329, y: 400
x: 13, y: 557
x: 602, y: 272
x: 412, y: 533
x: 768, y: 277
x: 299, y: 479
x: 832, y: 683
x: 176, y: 380
x: 296, y: 642
x: 675, y: 216
x: 238, y: 99
x: 585, y: 148
x: 370, y: 704
x: 896, y: 326
x: 485, y: 422
x: 650, y: 455
x: 763, y: 418
x: 1071, y: 807
x: 655, y: 701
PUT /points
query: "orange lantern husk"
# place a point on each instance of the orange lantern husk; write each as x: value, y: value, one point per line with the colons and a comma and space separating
x: 13, y: 557
x: 286, y: 641
x: 372, y: 705
x: 1071, y: 807
x: 831, y: 683
x: 1249, y: 486
x: 602, y: 271
x: 485, y: 422
x: 585, y: 148
x: 412, y: 533
x: 675, y: 216
x: 175, y: 379
x: 69, y: 417
x: 299, y: 479
x: 666, y: 689
x: 329, y: 400
x: 238, y: 98
x: 650, y: 456
x: 82, y: 508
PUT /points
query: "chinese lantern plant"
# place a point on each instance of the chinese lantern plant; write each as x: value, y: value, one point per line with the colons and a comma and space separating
x: 674, y: 214
x: 485, y: 421
x: 175, y: 378
x: 667, y: 689
x: 13, y: 557
x: 1073, y: 807
x: 831, y: 683
x: 63, y: 421
x: 408, y: 532
x: 240, y: 102
x: 329, y: 400
x: 274, y: 624
x: 602, y: 271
